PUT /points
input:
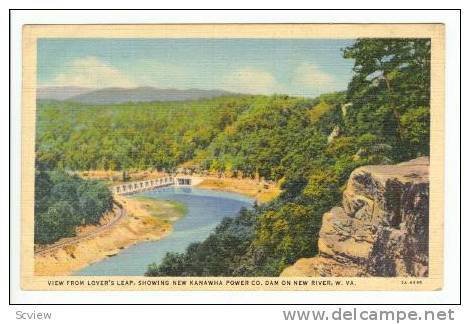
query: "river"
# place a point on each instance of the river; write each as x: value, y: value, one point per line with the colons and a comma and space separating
x: 205, y: 209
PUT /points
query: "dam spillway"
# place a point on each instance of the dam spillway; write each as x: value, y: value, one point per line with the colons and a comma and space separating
x: 151, y: 184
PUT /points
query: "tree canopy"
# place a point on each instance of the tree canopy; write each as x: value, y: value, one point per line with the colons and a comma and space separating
x: 62, y: 202
x: 390, y: 93
x: 309, y: 145
x: 382, y: 118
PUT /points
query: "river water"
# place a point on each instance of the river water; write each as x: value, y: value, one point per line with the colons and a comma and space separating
x: 205, y: 209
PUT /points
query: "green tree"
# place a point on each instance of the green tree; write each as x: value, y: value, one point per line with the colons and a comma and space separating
x: 63, y: 202
x: 391, y: 76
x: 55, y: 223
x: 416, y: 126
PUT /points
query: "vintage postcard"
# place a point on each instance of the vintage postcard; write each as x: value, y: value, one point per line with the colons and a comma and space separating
x: 232, y: 157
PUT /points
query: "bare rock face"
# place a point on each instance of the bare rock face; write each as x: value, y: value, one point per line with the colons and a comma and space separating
x: 381, y: 229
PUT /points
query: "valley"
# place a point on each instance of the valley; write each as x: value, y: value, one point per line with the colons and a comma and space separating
x: 278, y: 162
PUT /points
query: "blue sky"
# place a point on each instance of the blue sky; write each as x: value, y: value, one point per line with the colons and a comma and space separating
x: 305, y: 67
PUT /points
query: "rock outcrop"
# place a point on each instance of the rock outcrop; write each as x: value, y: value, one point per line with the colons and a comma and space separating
x: 381, y: 229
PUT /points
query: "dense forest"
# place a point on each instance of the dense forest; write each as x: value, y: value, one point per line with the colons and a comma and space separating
x: 62, y: 202
x: 160, y: 135
x: 383, y: 117
x: 309, y: 145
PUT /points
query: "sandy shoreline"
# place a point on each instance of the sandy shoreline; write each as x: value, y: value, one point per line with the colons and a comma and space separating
x: 144, y: 220
x: 260, y: 192
x: 136, y: 226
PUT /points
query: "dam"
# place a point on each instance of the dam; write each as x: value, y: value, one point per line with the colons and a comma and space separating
x: 151, y: 184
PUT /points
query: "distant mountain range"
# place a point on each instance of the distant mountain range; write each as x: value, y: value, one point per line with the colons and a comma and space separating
x: 119, y: 95
x: 60, y: 93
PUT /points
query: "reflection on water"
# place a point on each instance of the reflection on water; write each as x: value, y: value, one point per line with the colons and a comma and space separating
x: 205, y: 209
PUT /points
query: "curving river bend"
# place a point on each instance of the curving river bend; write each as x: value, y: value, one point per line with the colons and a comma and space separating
x: 205, y: 210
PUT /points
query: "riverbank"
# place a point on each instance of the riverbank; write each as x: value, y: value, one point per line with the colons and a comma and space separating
x: 262, y: 192
x: 206, y: 209
x: 144, y: 220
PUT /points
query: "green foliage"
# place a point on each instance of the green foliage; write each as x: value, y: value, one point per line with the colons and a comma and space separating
x: 243, y: 135
x: 218, y: 255
x: 55, y: 223
x: 259, y: 139
x: 126, y: 136
x: 391, y: 78
x: 416, y: 125
x: 63, y: 202
x: 287, y: 233
x: 286, y: 229
x: 382, y: 118
x: 322, y: 188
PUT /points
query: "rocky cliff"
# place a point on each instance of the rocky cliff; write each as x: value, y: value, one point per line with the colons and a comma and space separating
x: 381, y: 229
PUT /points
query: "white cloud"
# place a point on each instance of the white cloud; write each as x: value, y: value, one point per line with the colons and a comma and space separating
x: 162, y: 75
x: 91, y: 72
x: 250, y: 80
x: 310, y: 76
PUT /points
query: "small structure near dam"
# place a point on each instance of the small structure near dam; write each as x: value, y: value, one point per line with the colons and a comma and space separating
x: 151, y: 184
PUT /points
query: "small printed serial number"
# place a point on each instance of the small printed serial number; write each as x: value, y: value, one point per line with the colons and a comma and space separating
x: 411, y: 282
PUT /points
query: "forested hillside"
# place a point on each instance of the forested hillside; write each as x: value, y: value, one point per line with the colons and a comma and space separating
x: 74, y: 136
x: 62, y: 202
x: 245, y: 135
x: 383, y: 118
x: 264, y: 140
x: 309, y: 145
